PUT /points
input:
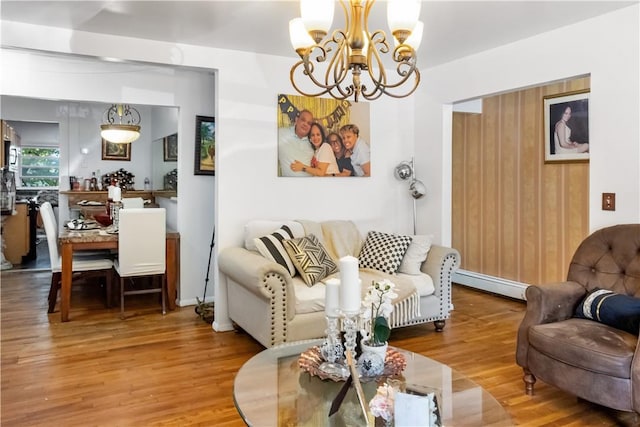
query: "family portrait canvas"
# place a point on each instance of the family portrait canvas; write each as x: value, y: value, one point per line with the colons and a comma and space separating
x: 566, y: 124
x: 322, y: 137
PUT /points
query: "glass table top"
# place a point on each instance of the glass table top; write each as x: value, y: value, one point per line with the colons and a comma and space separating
x: 271, y: 390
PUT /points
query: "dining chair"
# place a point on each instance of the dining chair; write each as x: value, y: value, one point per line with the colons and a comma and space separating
x: 89, y: 266
x: 141, y: 252
x: 132, y: 203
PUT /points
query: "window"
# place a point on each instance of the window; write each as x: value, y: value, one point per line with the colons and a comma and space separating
x: 39, y: 167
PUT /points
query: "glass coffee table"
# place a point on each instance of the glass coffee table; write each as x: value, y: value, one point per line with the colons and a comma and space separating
x: 271, y: 390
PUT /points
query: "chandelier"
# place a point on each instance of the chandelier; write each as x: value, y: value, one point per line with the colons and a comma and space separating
x: 327, y: 62
x: 121, y: 124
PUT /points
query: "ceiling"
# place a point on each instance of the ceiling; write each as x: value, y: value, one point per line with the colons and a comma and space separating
x: 453, y: 29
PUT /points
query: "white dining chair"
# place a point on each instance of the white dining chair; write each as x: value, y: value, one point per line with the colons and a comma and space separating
x: 92, y: 265
x: 141, y: 252
x: 132, y: 203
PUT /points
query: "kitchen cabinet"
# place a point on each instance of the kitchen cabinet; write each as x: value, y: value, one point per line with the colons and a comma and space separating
x: 16, y: 234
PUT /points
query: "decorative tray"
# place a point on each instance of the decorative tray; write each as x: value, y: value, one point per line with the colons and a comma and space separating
x: 311, y: 359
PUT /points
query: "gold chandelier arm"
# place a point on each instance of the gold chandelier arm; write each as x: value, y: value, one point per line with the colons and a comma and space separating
x: 357, y: 51
x: 337, y: 68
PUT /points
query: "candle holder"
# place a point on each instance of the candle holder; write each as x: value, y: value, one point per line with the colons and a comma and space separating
x: 350, y: 325
x: 332, y: 350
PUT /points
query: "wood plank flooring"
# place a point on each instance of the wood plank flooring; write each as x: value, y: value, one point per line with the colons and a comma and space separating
x: 174, y: 370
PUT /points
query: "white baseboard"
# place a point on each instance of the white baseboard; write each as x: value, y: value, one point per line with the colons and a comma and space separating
x: 491, y: 284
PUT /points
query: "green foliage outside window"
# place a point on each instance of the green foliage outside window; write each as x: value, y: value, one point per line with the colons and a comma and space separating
x: 39, y: 167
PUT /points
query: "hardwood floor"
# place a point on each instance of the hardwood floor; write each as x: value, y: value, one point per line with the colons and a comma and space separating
x: 174, y: 370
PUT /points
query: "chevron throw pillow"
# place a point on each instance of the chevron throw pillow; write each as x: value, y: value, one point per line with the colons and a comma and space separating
x: 383, y: 252
x: 310, y: 259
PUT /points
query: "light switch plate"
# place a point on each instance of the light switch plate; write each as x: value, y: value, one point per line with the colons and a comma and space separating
x: 608, y: 201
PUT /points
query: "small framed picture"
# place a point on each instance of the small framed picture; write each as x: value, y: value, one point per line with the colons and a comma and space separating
x: 171, y: 148
x: 566, y: 127
x: 113, y: 151
x: 205, y: 149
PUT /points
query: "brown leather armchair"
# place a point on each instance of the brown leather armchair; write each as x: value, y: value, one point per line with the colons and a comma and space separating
x: 589, y: 359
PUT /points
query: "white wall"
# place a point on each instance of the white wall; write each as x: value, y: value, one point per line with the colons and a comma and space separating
x: 606, y: 47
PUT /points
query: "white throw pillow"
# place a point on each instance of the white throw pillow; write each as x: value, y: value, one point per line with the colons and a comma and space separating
x: 416, y: 254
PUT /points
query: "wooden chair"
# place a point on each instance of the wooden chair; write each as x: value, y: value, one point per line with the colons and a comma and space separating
x: 142, y: 251
x: 96, y: 264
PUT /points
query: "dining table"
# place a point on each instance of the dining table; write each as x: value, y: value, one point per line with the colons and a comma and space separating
x: 102, y: 238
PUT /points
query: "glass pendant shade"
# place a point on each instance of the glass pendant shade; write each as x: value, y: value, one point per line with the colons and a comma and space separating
x: 300, y: 38
x: 402, y: 14
x: 415, y: 38
x: 120, y: 134
x: 317, y: 15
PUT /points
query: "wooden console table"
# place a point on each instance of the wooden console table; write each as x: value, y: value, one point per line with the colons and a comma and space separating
x: 71, y: 241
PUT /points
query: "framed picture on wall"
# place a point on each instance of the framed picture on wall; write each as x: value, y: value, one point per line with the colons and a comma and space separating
x: 170, y: 144
x: 323, y: 137
x: 566, y: 127
x: 113, y: 151
x: 205, y: 152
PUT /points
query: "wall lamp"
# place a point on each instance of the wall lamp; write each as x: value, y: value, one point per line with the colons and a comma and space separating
x: 406, y: 171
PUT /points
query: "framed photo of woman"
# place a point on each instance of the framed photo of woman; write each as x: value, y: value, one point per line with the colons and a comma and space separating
x: 566, y: 127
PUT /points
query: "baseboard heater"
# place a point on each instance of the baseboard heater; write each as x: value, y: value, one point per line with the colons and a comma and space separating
x: 496, y: 285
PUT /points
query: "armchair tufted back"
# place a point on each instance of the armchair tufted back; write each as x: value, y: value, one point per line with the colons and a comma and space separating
x: 609, y: 259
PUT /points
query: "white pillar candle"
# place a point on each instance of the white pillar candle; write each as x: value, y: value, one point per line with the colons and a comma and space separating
x: 117, y: 194
x: 332, y: 298
x: 350, y: 294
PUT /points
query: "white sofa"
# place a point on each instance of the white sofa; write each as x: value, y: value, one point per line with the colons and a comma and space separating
x: 274, y: 307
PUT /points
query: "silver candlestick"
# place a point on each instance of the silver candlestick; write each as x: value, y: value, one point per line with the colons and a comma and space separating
x: 350, y: 325
x: 332, y: 350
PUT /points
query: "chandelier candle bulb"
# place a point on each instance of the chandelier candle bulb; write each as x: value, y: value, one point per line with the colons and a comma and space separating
x: 332, y: 298
x: 350, y: 294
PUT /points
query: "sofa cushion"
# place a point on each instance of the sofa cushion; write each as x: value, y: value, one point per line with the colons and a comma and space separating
x: 422, y: 282
x: 416, y: 254
x: 587, y: 345
x: 270, y: 246
x: 310, y: 258
x: 382, y: 251
x: 309, y: 299
x: 260, y: 227
x: 610, y: 308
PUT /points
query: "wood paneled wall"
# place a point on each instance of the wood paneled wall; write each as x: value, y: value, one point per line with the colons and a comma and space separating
x: 514, y: 216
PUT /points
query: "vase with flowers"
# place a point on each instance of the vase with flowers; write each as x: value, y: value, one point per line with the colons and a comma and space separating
x: 375, y: 331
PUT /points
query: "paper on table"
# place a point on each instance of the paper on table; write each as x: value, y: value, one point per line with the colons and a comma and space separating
x: 411, y: 410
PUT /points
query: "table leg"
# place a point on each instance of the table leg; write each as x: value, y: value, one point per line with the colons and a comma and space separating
x: 172, y: 271
x: 65, y: 288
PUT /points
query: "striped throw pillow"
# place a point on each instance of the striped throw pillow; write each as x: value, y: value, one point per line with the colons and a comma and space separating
x: 270, y: 247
